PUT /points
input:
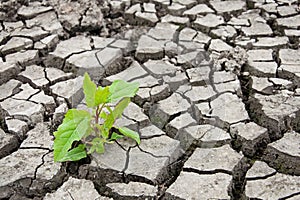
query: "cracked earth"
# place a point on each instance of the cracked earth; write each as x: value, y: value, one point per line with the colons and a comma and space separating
x: 218, y: 109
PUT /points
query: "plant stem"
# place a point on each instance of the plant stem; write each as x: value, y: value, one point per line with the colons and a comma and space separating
x: 97, y: 115
x: 96, y: 121
x: 101, y: 108
x: 98, y: 112
x: 90, y: 143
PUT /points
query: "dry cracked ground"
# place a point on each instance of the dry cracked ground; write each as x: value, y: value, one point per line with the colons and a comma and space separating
x: 218, y: 108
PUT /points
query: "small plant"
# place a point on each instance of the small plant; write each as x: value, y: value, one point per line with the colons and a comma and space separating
x: 96, y: 128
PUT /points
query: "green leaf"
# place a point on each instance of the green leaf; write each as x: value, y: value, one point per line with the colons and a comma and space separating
x: 76, y: 124
x: 103, y: 131
x: 120, y: 89
x: 116, y: 136
x: 98, y: 145
x: 89, y: 89
x: 102, y: 95
x: 103, y: 115
x: 75, y: 154
x: 92, y: 149
x: 100, y: 148
x: 108, y: 108
x: 116, y: 113
x: 94, y: 96
x: 109, y: 121
x: 120, y: 107
x: 130, y: 133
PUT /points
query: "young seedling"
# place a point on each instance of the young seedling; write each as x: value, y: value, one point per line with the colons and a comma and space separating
x: 94, y: 129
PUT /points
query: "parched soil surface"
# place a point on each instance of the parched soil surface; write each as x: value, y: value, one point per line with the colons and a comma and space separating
x: 218, y: 109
